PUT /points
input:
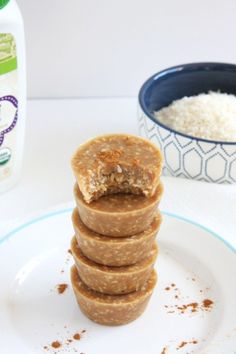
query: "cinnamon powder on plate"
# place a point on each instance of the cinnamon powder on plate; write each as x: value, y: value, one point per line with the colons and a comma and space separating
x: 56, y: 344
x: 207, y: 304
x: 183, y: 343
x: 77, y: 336
x: 61, y: 288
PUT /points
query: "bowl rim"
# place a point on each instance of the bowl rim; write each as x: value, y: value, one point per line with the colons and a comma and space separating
x: 183, y: 67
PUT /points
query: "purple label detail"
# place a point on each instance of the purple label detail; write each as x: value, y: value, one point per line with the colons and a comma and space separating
x: 13, y: 101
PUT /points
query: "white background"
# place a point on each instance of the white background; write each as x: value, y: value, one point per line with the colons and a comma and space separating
x: 97, y: 48
x: 104, y: 48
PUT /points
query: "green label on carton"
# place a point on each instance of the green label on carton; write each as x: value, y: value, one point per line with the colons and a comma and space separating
x: 8, y: 60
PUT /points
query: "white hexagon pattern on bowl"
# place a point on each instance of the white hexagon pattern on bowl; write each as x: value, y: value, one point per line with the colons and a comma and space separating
x: 189, y: 157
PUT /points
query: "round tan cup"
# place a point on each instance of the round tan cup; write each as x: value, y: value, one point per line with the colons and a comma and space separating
x: 112, y: 310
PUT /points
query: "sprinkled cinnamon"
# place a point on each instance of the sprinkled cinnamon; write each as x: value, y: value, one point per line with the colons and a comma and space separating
x: 69, y: 251
x: 61, y: 288
x: 164, y: 350
x: 110, y: 155
x: 56, y: 344
x: 173, y: 285
x: 68, y: 342
x: 207, y: 303
x: 77, y: 336
x: 193, y: 306
x: 182, y: 344
x: 167, y: 288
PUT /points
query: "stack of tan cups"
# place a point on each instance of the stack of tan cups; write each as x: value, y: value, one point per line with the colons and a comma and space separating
x: 116, y: 221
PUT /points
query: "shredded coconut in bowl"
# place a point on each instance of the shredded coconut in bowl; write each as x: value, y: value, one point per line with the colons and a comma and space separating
x: 209, y: 116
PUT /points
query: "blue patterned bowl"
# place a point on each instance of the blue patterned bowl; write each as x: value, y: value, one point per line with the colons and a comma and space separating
x: 185, y: 155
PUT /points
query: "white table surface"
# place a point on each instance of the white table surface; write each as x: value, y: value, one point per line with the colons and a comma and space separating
x: 56, y: 127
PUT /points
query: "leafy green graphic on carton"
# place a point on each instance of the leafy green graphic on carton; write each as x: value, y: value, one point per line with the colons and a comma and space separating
x: 7, y: 46
x: 3, y: 3
x: 7, y: 53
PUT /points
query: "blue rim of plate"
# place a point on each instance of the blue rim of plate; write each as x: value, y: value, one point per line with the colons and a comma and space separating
x: 13, y: 232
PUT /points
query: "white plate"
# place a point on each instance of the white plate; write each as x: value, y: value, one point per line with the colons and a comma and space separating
x: 34, y: 258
